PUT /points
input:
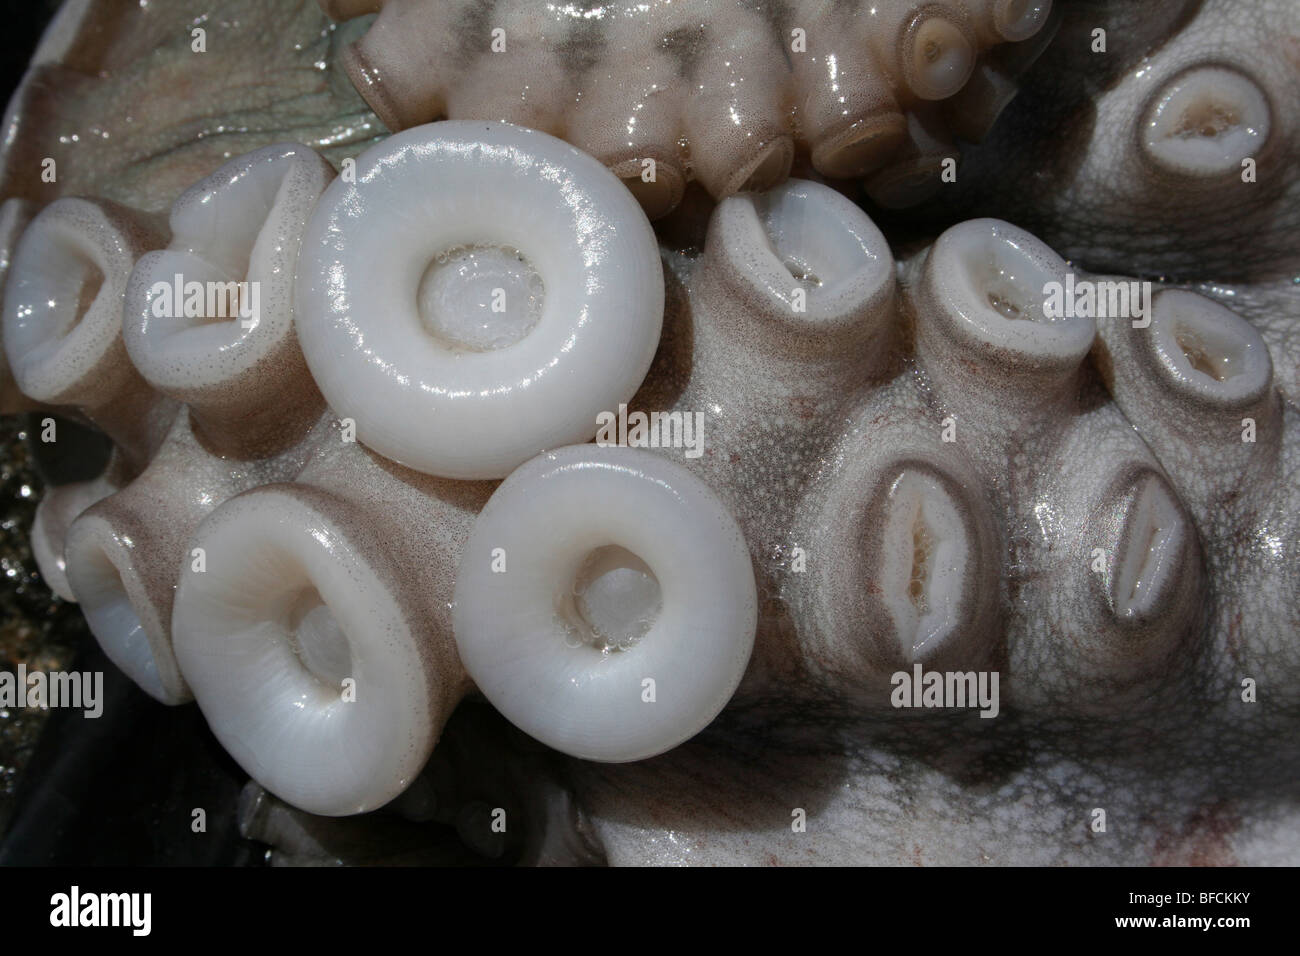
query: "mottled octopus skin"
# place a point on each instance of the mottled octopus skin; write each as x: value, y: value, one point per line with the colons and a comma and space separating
x: 856, y: 393
x: 1153, y: 729
x: 723, y: 93
x: 1086, y: 693
x: 1081, y: 179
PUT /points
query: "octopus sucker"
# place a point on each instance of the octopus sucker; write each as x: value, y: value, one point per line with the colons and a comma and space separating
x: 657, y: 422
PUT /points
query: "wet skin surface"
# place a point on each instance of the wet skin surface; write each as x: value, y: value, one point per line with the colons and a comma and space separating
x: 1186, y: 772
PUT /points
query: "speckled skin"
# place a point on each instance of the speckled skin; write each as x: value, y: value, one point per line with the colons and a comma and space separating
x: 253, y: 396
x: 724, y: 93
x: 1075, y: 174
x: 144, y: 530
x: 851, y: 408
x: 88, y: 368
x: 1146, y: 723
x: 86, y: 372
x: 423, y: 523
x: 854, y: 393
x: 250, y: 408
x: 1143, y: 718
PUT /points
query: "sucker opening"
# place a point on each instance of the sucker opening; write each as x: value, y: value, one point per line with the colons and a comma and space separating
x: 614, y: 602
x: 480, y: 298
x: 1007, y: 285
x: 925, y: 550
x: 1151, y: 542
x: 1219, y: 364
x: 1205, y: 121
x: 938, y: 56
x: 922, y: 550
x: 317, y: 639
x: 1207, y: 118
x: 66, y: 291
